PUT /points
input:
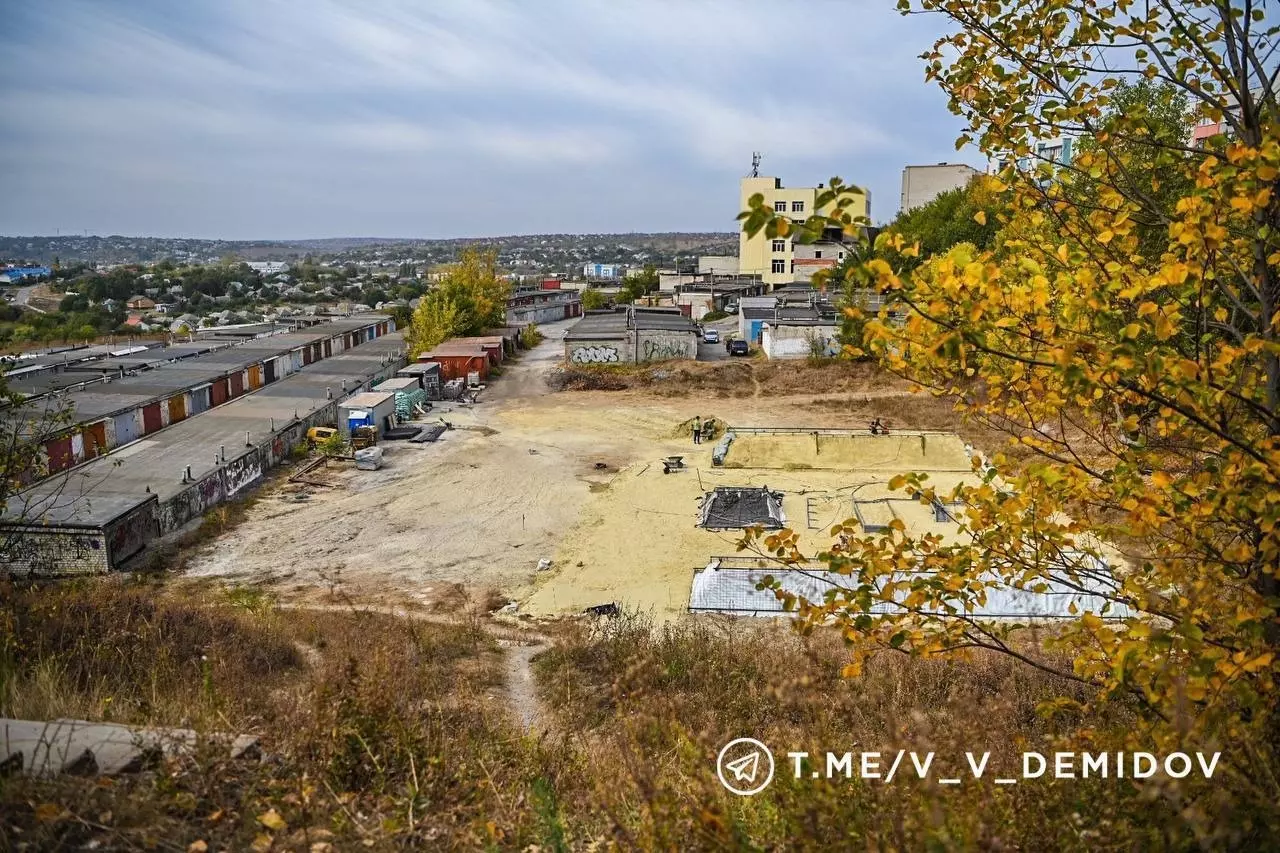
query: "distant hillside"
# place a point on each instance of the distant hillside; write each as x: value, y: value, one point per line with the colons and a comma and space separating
x: 117, y: 249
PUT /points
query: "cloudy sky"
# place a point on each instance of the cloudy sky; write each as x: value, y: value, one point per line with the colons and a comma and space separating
x: 439, y: 118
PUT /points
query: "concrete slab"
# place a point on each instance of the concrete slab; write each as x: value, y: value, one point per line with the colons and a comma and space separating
x: 40, y: 748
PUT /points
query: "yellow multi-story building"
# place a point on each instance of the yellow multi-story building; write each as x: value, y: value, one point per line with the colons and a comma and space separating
x: 774, y: 260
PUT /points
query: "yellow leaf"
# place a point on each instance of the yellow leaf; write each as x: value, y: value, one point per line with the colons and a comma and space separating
x: 272, y: 820
x: 197, y: 847
x: 1147, y: 308
x: 48, y: 812
x: 980, y: 217
x: 1161, y: 480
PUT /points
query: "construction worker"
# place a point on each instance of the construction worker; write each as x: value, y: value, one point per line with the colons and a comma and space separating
x: 697, y: 429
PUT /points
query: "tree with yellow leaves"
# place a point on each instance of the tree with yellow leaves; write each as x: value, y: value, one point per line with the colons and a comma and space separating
x: 1129, y: 344
x: 470, y: 298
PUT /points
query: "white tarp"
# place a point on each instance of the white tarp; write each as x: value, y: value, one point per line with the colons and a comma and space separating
x: 729, y: 590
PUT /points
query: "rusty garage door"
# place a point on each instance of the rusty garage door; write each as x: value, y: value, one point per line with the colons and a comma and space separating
x: 61, y: 455
x: 95, y: 439
x: 151, y: 419
x: 177, y: 408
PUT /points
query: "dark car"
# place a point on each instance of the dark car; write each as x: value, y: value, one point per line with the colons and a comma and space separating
x: 739, y: 348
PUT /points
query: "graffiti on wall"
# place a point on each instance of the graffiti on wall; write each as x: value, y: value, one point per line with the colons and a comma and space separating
x: 130, y: 535
x: 32, y: 553
x: 242, y: 472
x: 657, y: 350
x: 595, y: 355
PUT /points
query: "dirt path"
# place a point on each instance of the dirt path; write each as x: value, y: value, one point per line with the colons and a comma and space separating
x: 519, y: 683
x: 522, y: 687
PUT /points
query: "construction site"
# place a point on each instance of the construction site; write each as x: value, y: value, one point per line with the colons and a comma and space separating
x: 544, y: 502
x: 469, y: 469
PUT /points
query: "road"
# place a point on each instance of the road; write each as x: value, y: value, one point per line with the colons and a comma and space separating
x: 716, y: 351
x: 23, y: 298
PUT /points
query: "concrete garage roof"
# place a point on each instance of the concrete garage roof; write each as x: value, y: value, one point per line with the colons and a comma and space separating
x: 88, y: 493
x: 101, y: 400
x: 596, y: 325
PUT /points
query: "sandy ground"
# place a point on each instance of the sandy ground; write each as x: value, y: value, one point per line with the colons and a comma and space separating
x: 530, y: 475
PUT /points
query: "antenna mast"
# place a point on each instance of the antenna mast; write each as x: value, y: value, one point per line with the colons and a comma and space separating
x: 755, y: 164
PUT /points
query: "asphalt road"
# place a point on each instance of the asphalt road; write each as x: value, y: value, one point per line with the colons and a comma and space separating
x: 717, y: 352
x: 24, y: 296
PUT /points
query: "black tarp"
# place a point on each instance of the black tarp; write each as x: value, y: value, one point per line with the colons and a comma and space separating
x: 731, y: 507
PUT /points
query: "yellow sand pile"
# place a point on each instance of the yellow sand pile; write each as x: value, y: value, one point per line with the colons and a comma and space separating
x: 899, y: 452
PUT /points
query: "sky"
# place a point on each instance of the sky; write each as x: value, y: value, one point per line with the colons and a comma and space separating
x: 292, y: 119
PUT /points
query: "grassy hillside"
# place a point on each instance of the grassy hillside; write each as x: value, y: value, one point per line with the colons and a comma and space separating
x: 386, y: 732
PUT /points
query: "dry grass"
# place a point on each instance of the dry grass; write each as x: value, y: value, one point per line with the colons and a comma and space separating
x: 730, y: 378
x: 392, y: 733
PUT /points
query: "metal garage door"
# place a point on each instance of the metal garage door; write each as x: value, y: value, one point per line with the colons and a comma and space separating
x: 152, y: 420
x: 95, y: 439
x: 177, y: 408
x: 199, y: 399
x: 128, y: 428
x: 61, y: 456
x: 237, y: 384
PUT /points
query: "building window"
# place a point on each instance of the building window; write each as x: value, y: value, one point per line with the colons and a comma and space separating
x: 797, y: 207
x: 779, y: 207
x: 779, y: 266
x: 818, y: 254
x: 779, y: 245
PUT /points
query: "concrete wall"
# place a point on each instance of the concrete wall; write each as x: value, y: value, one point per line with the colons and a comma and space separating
x: 239, y: 473
x: 788, y: 342
x: 657, y: 345
x: 922, y: 184
x: 718, y: 264
x: 604, y: 351
x: 643, y: 346
x: 128, y: 535
x: 38, y: 551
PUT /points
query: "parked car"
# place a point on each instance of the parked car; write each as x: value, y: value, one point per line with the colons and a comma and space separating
x: 315, y: 435
x: 711, y: 336
x: 731, y: 308
x: 739, y: 348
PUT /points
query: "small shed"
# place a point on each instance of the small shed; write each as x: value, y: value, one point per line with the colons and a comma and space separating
x: 494, y: 345
x: 457, y: 362
x: 509, y: 334
x: 427, y: 374
x: 369, y: 408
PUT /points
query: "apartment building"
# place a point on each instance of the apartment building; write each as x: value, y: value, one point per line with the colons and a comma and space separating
x: 922, y: 184
x: 774, y: 259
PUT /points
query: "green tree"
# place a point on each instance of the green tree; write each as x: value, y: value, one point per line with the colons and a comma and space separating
x: 593, y: 300
x: 639, y: 285
x: 964, y: 215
